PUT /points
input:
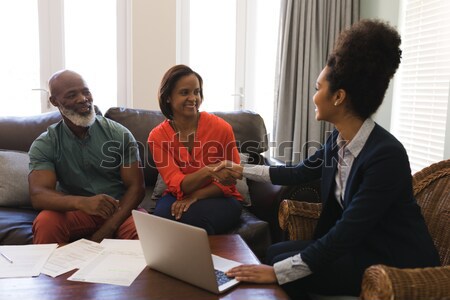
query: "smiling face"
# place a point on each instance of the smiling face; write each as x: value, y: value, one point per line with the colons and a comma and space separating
x: 185, y: 98
x: 323, y: 99
x: 70, y: 93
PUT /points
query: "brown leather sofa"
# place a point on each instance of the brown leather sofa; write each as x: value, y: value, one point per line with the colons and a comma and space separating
x: 259, y: 224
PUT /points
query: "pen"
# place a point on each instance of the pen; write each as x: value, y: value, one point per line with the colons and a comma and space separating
x: 6, y: 257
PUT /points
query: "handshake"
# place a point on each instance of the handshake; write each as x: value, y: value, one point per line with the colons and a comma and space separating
x: 226, y: 172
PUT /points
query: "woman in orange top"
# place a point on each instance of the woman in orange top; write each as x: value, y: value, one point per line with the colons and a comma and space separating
x: 185, y: 148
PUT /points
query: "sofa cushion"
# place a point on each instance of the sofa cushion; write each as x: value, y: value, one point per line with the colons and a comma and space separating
x: 140, y: 122
x: 15, y: 225
x: 160, y: 187
x: 14, y: 183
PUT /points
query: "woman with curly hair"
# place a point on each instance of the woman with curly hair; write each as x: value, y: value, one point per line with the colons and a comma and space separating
x: 369, y: 212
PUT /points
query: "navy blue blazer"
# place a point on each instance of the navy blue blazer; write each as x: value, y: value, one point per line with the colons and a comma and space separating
x: 381, y: 222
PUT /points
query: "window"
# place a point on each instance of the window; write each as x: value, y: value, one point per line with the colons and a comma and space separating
x: 235, y: 52
x: 421, y: 93
x: 212, y: 50
x: 44, y: 36
x: 19, y: 58
x: 90, y: 46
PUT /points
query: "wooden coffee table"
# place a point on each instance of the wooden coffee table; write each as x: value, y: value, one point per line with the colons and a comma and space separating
x: 149, y: 285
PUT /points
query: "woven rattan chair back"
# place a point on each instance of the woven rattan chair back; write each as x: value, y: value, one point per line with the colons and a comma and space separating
x: 432, y: 192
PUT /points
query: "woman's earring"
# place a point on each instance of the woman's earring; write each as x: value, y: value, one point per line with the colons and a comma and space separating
x: 336, y: 103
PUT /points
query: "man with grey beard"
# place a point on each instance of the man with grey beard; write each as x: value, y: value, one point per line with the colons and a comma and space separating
x: 85, y: 171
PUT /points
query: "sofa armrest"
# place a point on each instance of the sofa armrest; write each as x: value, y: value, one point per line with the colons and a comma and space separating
x: 382, y: 283
x: 299, y: 218
x: 266, y: 199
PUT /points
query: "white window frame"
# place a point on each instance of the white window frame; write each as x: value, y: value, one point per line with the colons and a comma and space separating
x: 51, y: 46
x: 124, y: 53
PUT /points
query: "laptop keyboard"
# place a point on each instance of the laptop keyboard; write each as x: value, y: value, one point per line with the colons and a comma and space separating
x: 221, y: 277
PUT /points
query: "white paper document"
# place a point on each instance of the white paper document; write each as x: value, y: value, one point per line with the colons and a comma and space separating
x: 72, y: 256
x: 119, y: 263
x: 27, y: 260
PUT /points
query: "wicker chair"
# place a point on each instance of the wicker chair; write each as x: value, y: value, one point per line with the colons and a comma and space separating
x: 432, y: 191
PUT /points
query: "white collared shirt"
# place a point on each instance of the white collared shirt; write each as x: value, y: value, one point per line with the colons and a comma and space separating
x: 347, y: 153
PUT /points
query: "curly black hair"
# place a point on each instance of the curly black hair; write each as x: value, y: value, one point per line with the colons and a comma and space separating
x: 168, y: 83
x: 363, y: 62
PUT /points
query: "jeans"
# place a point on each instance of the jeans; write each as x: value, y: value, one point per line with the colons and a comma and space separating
x: 215, y: 215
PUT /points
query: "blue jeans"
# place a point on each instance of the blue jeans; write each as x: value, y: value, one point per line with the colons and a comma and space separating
x: 215, y: 215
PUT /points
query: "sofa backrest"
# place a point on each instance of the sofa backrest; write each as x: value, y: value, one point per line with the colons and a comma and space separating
x: 18, y: 133
x: 249, y: 130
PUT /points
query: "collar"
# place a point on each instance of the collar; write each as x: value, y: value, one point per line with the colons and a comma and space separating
x: 357, y: 143
x: 71, y: 134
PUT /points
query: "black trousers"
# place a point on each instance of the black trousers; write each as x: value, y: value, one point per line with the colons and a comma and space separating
x: 215, y: 215
x: 342, y: 277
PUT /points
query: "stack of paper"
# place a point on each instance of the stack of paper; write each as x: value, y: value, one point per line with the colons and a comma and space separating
x: 71, y: 256
x: 119, y: 263
x: 112, y: 261
x: 24, y: 260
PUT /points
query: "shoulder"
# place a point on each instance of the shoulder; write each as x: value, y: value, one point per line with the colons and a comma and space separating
x: 106, y: 123
x: 384, y: 148
x: 50, y: 136
x: 112, y: 130
x: 47, y: 142
x: 159, y: 131
x: 381, y: 140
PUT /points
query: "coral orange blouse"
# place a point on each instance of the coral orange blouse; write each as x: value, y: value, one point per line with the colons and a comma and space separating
x: 214, y: 142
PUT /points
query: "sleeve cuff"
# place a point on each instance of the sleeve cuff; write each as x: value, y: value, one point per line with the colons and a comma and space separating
x: 290, y: 269
x: 256, y: 172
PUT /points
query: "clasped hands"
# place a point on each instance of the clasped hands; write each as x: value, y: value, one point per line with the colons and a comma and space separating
x: 101, y: 205
x: 226, y: 172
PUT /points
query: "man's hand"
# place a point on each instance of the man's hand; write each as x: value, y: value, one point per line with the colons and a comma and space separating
x: 99, y: 205
x: 253, y: 273
x: 181, y: 206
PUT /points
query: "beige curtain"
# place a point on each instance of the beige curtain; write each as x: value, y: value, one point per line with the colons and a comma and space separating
x: 308, y: 31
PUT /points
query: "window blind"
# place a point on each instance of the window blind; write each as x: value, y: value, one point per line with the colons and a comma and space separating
x: 422, y: 89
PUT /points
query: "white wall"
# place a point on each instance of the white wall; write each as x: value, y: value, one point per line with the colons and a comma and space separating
x: 153, y: 48
x: 387, y: 10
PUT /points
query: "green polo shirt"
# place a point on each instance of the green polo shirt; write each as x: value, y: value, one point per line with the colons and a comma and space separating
x: 88, y: 166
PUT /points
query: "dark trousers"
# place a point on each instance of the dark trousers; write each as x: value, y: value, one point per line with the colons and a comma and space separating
x: 215, y: 215
x: 342, y: 277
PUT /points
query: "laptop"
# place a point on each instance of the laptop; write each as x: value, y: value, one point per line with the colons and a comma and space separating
x: 182, y: 251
